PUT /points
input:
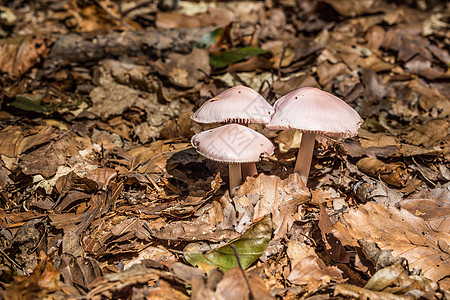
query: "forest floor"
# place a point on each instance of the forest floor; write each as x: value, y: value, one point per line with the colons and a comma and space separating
x: 102, y: 195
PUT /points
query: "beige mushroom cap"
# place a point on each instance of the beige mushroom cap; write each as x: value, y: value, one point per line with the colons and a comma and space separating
x: 238, y: 104
x: 232, y: 143
x: 314, y: 110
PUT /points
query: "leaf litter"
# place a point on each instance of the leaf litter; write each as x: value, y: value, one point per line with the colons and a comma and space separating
x: 102, y: 194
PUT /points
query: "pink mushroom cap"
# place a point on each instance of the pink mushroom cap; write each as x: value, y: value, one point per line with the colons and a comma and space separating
x: 232, y: 143
x: 238, y: 104
x: 311, y: 109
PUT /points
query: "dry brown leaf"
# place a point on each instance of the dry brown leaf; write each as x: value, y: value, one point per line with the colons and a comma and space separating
x: 264, y: 195
x: 213, y: 17
x: 157, y: 254
x: 102, y: 176
x: 103, y: 15
x: 391, y: 173
x: 328, y: 72
x: 288, y: 139
x: 392, y: 282
x: 356, y: 292
x: 234, y: 286
x: 14, y: 140
x: 313, y: 272
x: 282, y: 87
x: 81, y: 271
x: 375, y: 37
x: 428, y: 134
x: 43, y: 281
x: 185, y: 70
x: 376, y: 139
x: 400, y: 231
x: 435, y: 212
x: 298, y: 251
x: 46, y: 160
x: 354, y: 149
x: 351, y: 7
x: 20, y: 54
x: 419, y: 65
x: 156, y: 287
x: 406, y: 44
x: 198, y: 230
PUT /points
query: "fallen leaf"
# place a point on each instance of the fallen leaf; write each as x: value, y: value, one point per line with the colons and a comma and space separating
x: 234, y: 286
x: 400, y: 231
x: 250, y: 246
x: 392, y: 173
x: 390, y: 283
x: 185, y: 70
x: 20, y: 54
x: 223, y: 59
x: 351, y: 7
x: 264, y: 195
x: 435, y: 211
x: 428, y: 134
x: 312, y: 271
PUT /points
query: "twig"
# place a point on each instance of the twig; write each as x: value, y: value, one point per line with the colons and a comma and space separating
x: 252, y: 297
x: 281, y: 62
x: 139, y: 5
x: 239, y: 79
x: 11, y: 260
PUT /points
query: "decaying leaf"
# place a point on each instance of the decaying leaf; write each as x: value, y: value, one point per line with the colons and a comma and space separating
x: 234, y: 286
x: 392, y: 173
x: 223, y: 59
x: 14, y: 141
x: 250, y: 246
x: 400, y: 231
x: 19, y: 54
x: 392, y: 282
x: 351, y: 7
x: 312, y: 271
x: 435, y: 211
x: 43, y: 281
x: 185, y: 70
x: 264, y: 195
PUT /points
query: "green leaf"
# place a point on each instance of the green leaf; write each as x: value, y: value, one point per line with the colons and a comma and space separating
x: 30, y: 102
x: 210, y: 38
x: 223, y: 59
x: 250, y: 246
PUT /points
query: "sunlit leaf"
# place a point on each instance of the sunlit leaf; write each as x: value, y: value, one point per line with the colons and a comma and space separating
x: 210, y: 38
x: 250, y: 246
x: 223, y: 59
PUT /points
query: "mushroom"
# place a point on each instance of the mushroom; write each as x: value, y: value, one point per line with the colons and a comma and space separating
x: 313, y: 111
x: 238, y: 104
x: 234, y: 144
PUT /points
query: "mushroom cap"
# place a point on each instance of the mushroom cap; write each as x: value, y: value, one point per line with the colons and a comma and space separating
x: 238, y: 104
x: 232, y: 143
x: 314, y: 110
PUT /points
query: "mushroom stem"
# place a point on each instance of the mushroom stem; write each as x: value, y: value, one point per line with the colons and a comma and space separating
x: 235, y: 176
x: 304, y: 155
x: 248, y: 169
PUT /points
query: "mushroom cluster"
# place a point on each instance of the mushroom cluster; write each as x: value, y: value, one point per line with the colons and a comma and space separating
x: 309, y: 110
x: 235, y: 144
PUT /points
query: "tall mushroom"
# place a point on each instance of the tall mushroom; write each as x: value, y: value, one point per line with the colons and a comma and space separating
x: 238, y: 104
x: 313, y: 111
x: 234, y: 144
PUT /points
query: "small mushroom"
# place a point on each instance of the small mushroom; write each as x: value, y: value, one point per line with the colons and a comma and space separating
x: 233, y: 144
x: 313, y: 111
x: 238, y: 104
